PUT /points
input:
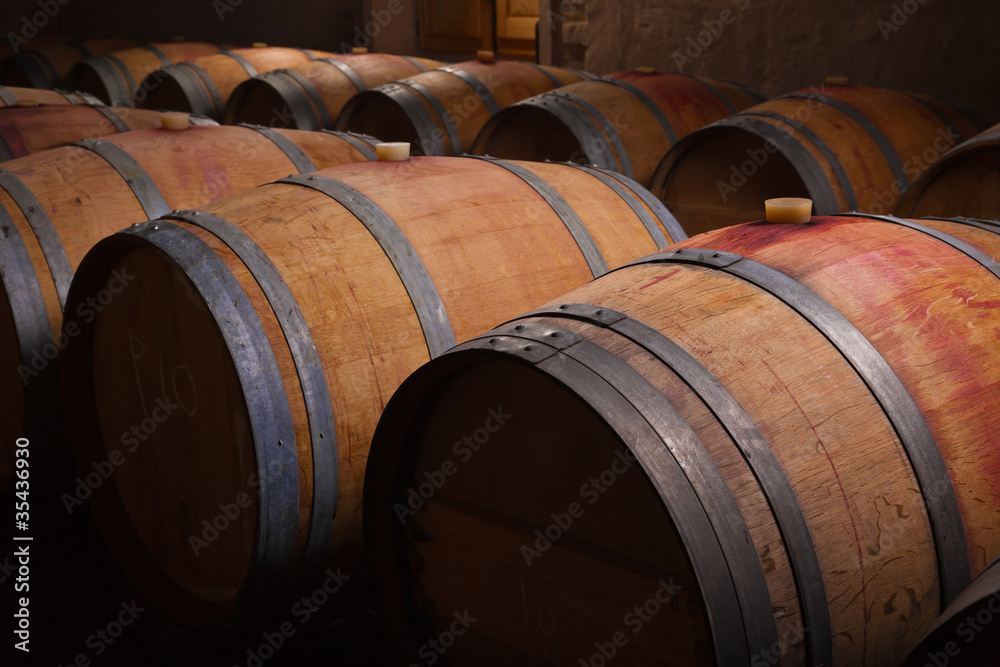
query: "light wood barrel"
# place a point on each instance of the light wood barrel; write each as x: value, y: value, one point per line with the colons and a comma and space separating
x: 965, y: 182
x: 55, y: 205
x: 25, y: 130
x: 768, y: 444
x: 204, y: 85
x: 114, y: 78
x: 310, y: 96
x: 48, y: 64
x: 16, y: 96
x: 331, y: 288
x: 441, y: 112
x: 625, y: 121
x: 848, y: 148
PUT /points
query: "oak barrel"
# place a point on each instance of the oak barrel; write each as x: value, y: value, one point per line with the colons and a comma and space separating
x: 311, y: 95
x: 204, y: 85
x: 25, y: 130
x: 769, y: 444
x: 55, y: 205
x: 115, y: 78
x: 440, y: 112
x: 46, y: 65
x: 625, y: 121
x: 848, y: 148
x: 16, y: 96
x: 284, y: 318
x: 965, y: 182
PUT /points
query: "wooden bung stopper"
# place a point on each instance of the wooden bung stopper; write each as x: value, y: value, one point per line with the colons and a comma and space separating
x: 259, y: 45
x: 394, y: 151
x: 359, y: 50
x: 792, y: 210
x: 485, y: 56
x: 174, y: 120
x: 646, y: 70
x: 27, y: 102
x: 837, y: 81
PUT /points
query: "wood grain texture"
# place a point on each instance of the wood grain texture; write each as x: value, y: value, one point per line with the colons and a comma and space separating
x: 26, y: 130
x: 258, y: 101
x: 722, y: 174
x: 965, y: 182
x: 507, y: 81
x: 87, y: 199
x: 473, y: 225
x: 928, y: 309
x: 527, y: 132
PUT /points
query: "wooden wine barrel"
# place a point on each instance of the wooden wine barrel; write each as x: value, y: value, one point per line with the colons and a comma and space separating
x: 14, y: 96
x: 440, y: 112
x: 962, y: 637
x: 204, y: 85
x: 311, y: 95
x: 7, y: 46
x: 965, y: 182
x: 114, y: 78
x: 336, y: 285
x: 848, y: 148
x: 55, y: 205
x: 625, y: 121
x: 47, y: 64
x: 769, y: 444
x: 25, y: 130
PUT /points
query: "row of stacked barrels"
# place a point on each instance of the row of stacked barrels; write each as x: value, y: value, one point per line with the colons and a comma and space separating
x: 244, y: 335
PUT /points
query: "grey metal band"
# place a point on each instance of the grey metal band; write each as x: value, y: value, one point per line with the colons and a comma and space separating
x: 976, y: 254
x: 45, y: 232
x: 934, y: 110
x: 629, y: 198
x: 756, y: 97
x: 988, y: 225
x: 263, y: 390
x: 245, y: 64
x: 135, y: 176
x: 816, y: 182
x: 109, y: 70
x: 113, y: 118
x: 347, y: 71
x: 597, y: 151
x: 359, y: 141
x: 883, y: 143
x: 308, y: 367
x: 306, y: 116
x: 7, y: 97
x: 164, y: 60
x: 756, y: 452
x: 897, y: 404
x: 5, y: 152
x: 605, y: 125
x: 715, y: 91
x: 206, y: 87
x: 414, y: 62
x: 584, y: 75
x: 412, y: 273
x: 588, y: 247
x: 821, y: 146
x: 429, y: 139
x: 653, y: 108
x: 688, y: 483
x: 81, y: 49
x: 482, y: 92
x: 314, y: 97
x: 38, y: 69
x: 548, y: 75
x: 78, y: 97
x: 291, y: 151
x: 449, y: 126
x: 674, y: 228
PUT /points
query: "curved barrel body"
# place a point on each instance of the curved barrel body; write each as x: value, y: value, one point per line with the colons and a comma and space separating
x: 47, y: 65
x: 16, y: 96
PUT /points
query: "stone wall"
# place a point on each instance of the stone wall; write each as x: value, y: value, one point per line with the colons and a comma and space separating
x: 775, y: 46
